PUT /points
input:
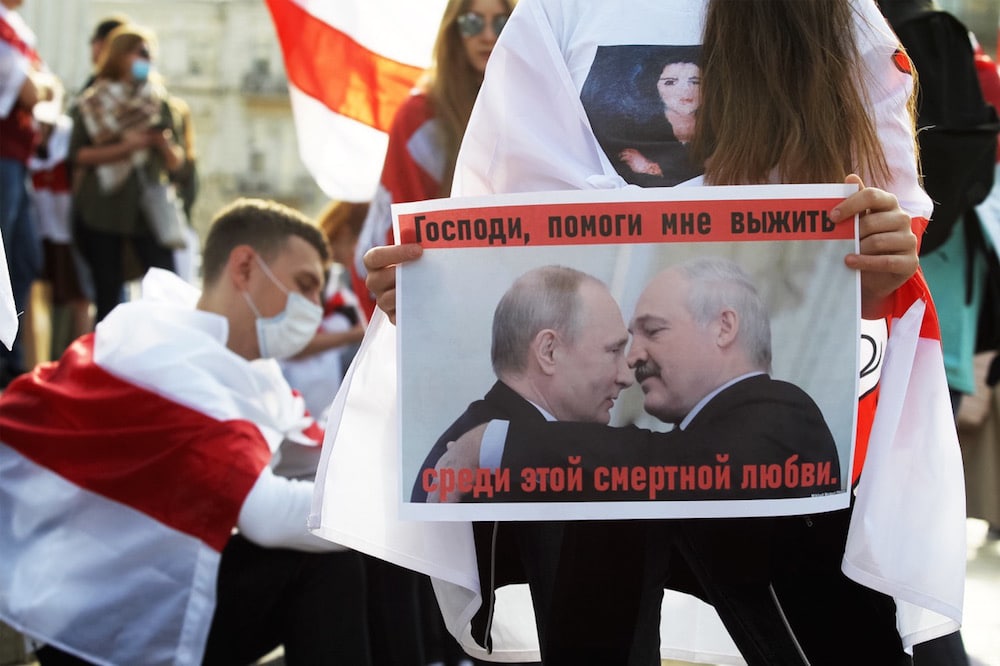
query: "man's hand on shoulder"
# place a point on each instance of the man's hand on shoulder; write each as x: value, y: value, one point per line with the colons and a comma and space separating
x: 462, y: 454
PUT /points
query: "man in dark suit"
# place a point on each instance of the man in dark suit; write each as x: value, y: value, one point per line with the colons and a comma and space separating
x: 558, y: 351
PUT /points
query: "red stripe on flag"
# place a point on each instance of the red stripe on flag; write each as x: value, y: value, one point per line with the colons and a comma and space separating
x: 172, y: 463
x: 330, y: 66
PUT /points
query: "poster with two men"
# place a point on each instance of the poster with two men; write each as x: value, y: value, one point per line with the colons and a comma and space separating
x: 634, y: 353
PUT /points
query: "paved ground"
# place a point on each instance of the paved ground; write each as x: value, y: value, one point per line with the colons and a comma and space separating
x: 981, y: 631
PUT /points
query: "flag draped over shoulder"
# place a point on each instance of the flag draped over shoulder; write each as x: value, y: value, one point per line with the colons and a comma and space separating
x: 123, y: 470
x: 350, y: 65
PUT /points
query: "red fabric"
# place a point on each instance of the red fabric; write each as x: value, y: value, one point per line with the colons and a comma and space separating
x: 913, y: 290
x: 989, y: 81
x: 9, y: 35
x: 55, y: 179
x: 176, y: 465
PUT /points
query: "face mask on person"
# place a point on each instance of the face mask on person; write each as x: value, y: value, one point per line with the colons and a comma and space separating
x: 140, y: 69
x: 288, y: 332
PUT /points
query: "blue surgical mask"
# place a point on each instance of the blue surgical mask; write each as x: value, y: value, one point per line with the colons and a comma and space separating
x: 140, y: 69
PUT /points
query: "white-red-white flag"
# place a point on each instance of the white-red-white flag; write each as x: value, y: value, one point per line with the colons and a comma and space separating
x: 123, y: 470
x: 907, y: 536
x: 350, y: 64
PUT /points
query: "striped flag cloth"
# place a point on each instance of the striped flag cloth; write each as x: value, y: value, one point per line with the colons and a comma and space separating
x: 123, y: 470
x: 907, y: 536
x: 350, y: 64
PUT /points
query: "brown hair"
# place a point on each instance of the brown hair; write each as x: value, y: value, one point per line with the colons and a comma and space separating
x: 264, y: 225
x: 452, y: 84
x: 339, y: 214
x: 780, y: 90
x: 120, y: 43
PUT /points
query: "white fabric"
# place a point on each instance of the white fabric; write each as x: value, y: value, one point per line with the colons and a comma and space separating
x: 105, y: 580
x: 14, y: 66
x: 326, y: 139
x: 907, y: 536
x: 97, y: 606
x: 8, y: 313
x: 515, y: 143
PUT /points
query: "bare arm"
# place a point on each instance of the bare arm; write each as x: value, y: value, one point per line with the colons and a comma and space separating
x: 325, y: 340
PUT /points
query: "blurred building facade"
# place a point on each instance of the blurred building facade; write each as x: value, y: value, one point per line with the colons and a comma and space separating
x: 222, y: 57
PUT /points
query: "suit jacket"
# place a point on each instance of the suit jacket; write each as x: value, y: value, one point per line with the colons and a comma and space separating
x: 509, y: 552
x: 771, y: 429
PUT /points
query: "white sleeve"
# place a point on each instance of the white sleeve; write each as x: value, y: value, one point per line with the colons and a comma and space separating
x: 888, y: 90
x: 274, y: 515
x: 492, y: 446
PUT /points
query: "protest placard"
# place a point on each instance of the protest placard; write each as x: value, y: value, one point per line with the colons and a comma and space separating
x: 775, y: 443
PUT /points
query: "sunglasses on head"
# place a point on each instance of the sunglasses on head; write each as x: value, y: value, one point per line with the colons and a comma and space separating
x: 471, y: 24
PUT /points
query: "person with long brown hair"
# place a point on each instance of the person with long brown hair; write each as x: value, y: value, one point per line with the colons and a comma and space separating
x: 791, y: 92
x: 428, y: 128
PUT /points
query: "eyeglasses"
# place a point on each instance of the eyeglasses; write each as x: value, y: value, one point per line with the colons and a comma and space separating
x: 471, y: 24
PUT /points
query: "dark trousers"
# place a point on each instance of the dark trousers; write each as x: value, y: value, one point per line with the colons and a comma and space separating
x: 778, y: 587
x: 394, y: 614
x: 313, y: 604
x: 595, y: 599
x: 104, y: 254
x: 775, y: 582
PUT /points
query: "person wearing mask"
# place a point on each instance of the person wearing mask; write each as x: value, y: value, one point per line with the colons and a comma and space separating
x: 122, y: 124
x: 145, y: 513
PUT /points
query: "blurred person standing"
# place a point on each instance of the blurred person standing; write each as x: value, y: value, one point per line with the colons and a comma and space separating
x: 98, y: 40
x: 122, y: 124
x: 69, y: 287
x: 24, y: 81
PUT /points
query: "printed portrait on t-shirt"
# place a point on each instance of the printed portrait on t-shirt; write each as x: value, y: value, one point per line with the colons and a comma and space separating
x: 642, y: 102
